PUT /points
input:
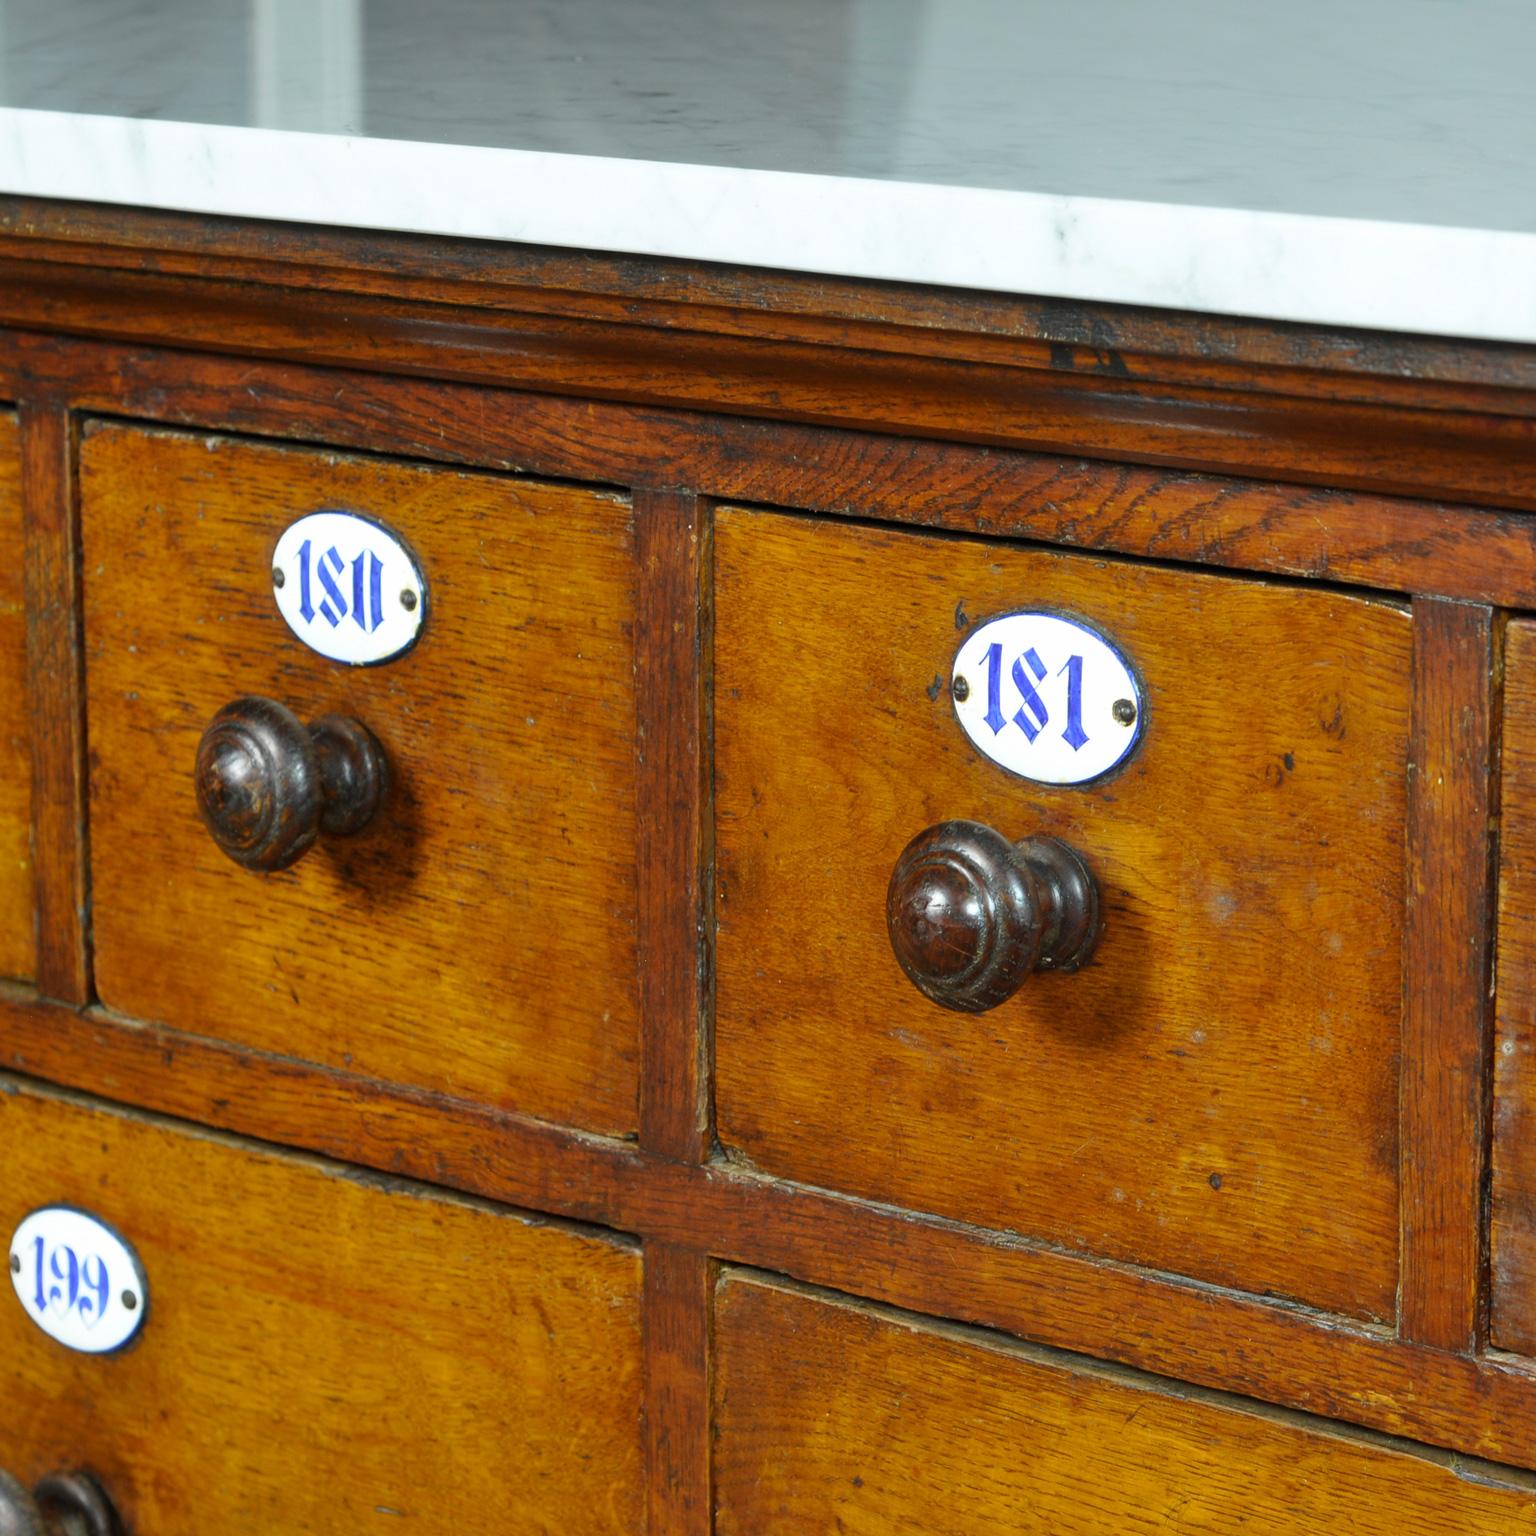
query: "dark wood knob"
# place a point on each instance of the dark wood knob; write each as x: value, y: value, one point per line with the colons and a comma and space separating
x: 268, y: 785
x: 63, y: 1504
x: 971, y: 914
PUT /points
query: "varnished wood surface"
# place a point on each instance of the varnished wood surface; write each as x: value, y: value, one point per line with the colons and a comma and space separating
x: 1068, y: 335
x: 1476, y: 453
x: 1180, y: 514
x: 674, y: 821
x: 833, y: 1416
x: 1324, y: 1364
x: 324, y: 1351
x: 1513, y: 1236
x: 478, y: 937
x: 17, y: 931
x: 55, y: 698
x: 1448, y: 942
x: 679, y: 1286
x: 1216, y: 1093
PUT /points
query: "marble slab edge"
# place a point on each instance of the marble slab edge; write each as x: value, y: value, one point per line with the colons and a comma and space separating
x: 1424, y: 278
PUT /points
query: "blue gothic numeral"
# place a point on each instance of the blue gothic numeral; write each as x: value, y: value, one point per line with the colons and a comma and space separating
x: 64, y: 1282
x: 994, y: 716
x: 1033, y: 715
x: 368, y: 613
x: 1032, y: 700
x: 367, y: 605
x: 40, y: 1300
x: 333, y: 608
x: 1074, y: 735
x: 306, y: 608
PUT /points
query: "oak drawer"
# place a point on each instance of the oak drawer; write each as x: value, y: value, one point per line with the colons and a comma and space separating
x: 323, y: 1349
x: 1216, y: 1093
x: 835, y: 1416
x: 1513, y: 1237
x: 17, y: 935
x: 478, y: 936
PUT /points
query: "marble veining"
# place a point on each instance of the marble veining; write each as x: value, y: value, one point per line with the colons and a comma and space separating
x: 1361, y: 163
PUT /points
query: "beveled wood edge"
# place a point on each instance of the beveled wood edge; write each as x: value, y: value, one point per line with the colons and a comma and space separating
x: 55, y: 698
x: 1111, y: 1372
x: 1062, y: 334
x: 1180, y: 516
x: 679, y: 1360
x: 1448, y: 938
x: 672, y: 535
x: 1477, y: 454
x: 1180, y: 1329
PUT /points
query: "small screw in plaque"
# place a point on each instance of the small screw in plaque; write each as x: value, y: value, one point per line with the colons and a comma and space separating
x: 408, y: 600
x: 277, y: 576
x: 15, y: 1263
x: 1124, y: 711
x: 130, y: 1300
x: 961, y: 690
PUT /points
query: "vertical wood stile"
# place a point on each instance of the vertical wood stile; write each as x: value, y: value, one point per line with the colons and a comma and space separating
x: 674, y: 831
x: 679, y: 1315
x: 1447, y: 973
x: 672, y: 536
x: 56, y: 694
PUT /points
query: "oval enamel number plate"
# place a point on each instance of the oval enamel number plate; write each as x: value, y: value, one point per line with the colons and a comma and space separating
x: 348, y: 588
x: 1046, y: 697
x: 79, y: 1281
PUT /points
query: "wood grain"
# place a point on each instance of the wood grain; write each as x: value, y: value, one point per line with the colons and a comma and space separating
x: 1513, y: 1220
x: 55, y: 699
x: 324, y: 1351
x: 18, y: 937
x: 1090, y: 401
x: 1483, y: 456
x: 834, y: 1416
x: 672, y: 550
x: 1064, y: 334
x: 1173, y: 514
x: 1290, y: 451
x: 1216, y: 1093
x: 478, y: 937
x: 1325, y: 1364
x: 679, y: 1286
x: 1448, y: 939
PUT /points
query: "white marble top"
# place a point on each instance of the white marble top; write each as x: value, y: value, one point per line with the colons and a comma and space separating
x: 1353, y: 162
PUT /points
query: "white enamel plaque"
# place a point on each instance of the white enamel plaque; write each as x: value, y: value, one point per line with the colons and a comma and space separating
x: 1046, y: 697
x: 348, y: 588
x: 79, y: 1281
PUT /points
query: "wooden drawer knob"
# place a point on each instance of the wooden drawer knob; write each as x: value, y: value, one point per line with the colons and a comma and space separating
x: 65, y: 1504
x: 268, y: 785
x: 971, y: 914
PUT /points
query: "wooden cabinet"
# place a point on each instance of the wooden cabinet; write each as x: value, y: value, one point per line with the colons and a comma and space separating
x: 833, y: 1415
x: 323, y: 1349
x: 16, y: 922
x: 437, y: 1143
x: 478, y: 938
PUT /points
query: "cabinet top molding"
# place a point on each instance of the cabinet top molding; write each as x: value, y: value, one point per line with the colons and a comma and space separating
x: 1359, y: 163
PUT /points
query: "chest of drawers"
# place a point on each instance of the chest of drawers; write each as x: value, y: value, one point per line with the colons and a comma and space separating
x: 565, y: 1149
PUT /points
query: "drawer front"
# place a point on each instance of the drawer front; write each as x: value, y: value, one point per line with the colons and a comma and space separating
x: 17, y: 934
x: 478, y: 936
x: 1215, y: 1094
x: 1513, y: 1320
x: 835, y: 1417
x: 322, y: 1349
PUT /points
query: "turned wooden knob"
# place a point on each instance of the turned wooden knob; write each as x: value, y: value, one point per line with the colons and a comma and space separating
x: 971, y: 914
x: 268, y: 785
x: 64, y: 1504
